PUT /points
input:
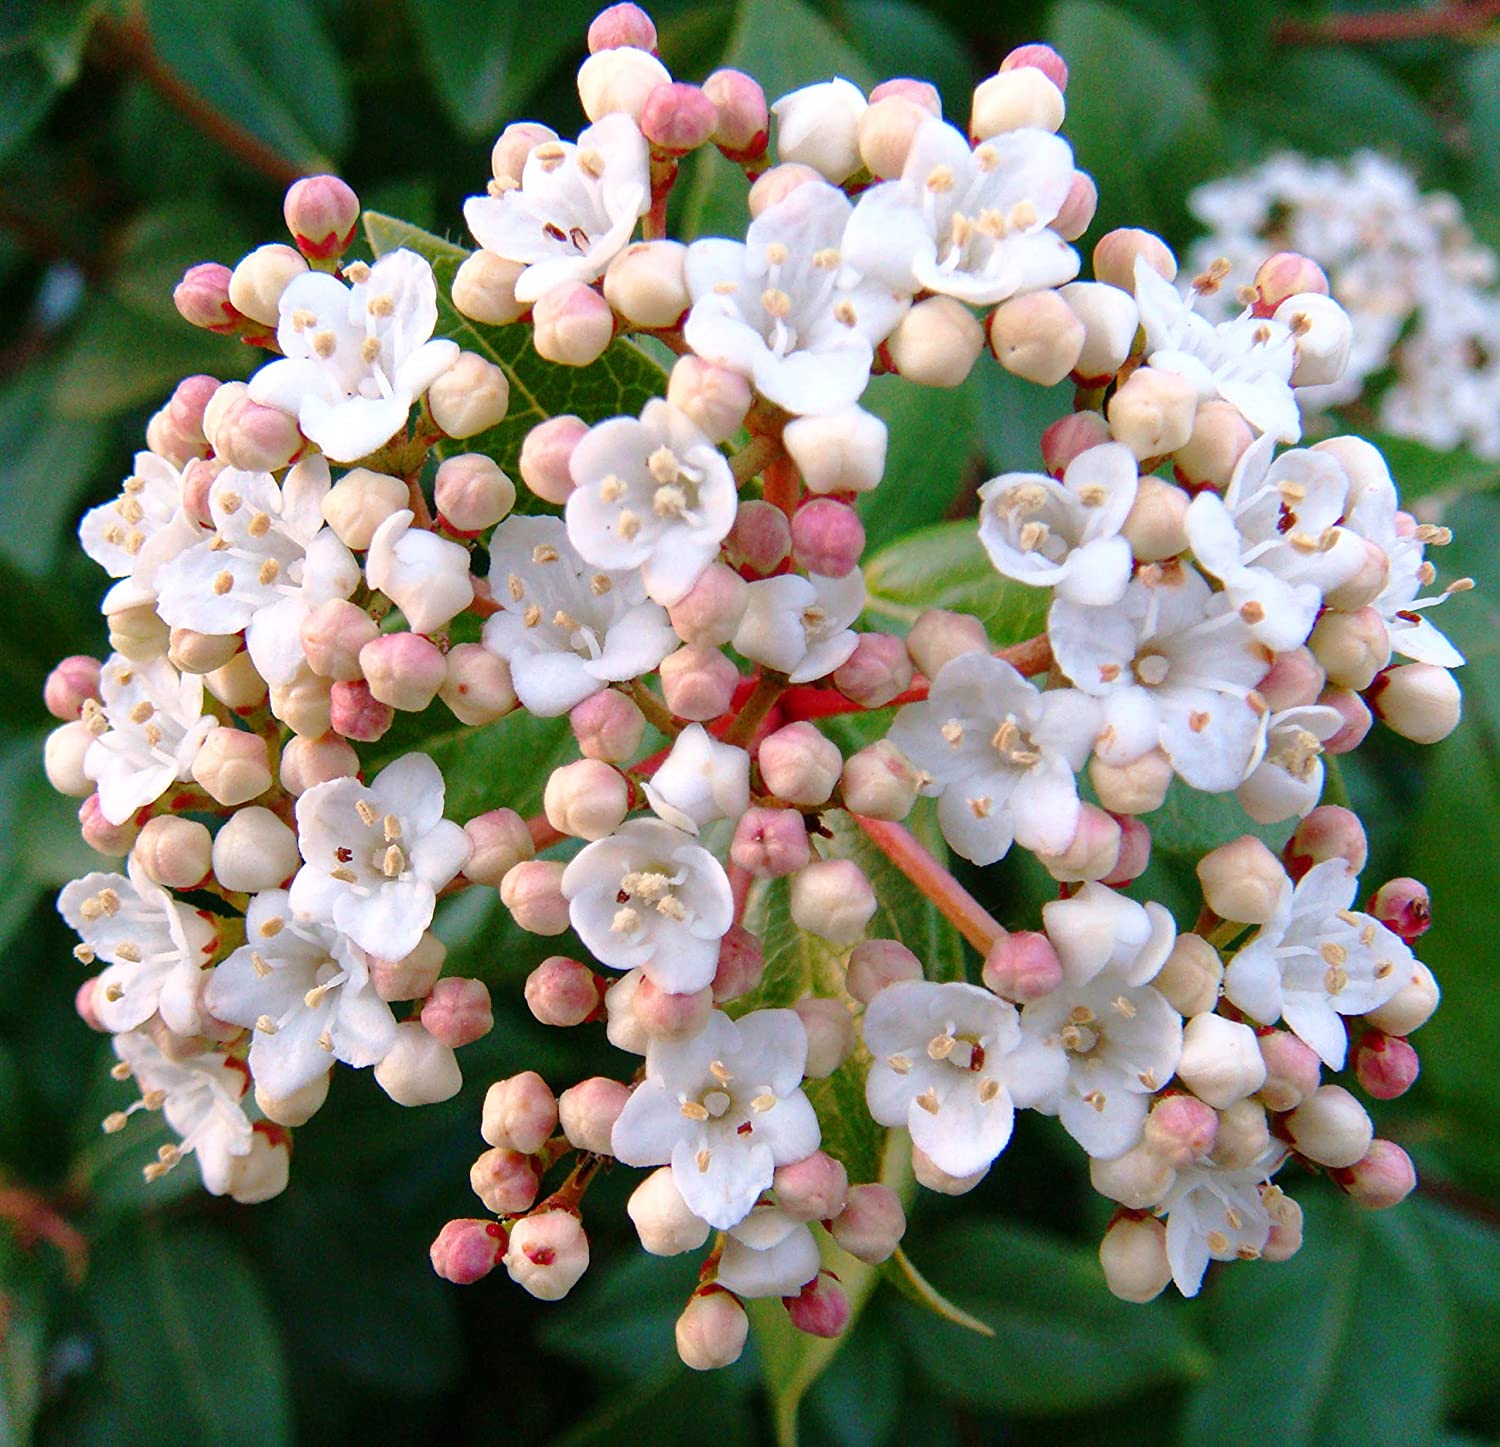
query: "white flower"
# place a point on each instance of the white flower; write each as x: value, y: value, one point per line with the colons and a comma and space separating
x: 650, y: 896
x: 1288, y: 781
x: 1175, y: 665
x: 1247, y: 361
x: 200, y: 1097
x: 1064, y: 535
x: 269, y: 562
x: 653, y: 494
x: 768, y: 1254
x: 575, y: 209
x: 356, y: 357
x: 425, y: 576
x: 950, y: 1065
x: 1273, y: 540
x: 968, y: 223
x: 1000, y: 755
x: 1117, y: 1037
x: 818, y: 126
x: 724, y: 1109
x: 306, y: 992
x: 134, y: 534
x: 566, y: 629
x: 699, y: 781
x: 376, y: 856
x: 783, y: 308
x: 1316, y: 960
x: 1215, y: 1214
x: 801, y: 627
x: 156, y: 723
x: 155, y: 948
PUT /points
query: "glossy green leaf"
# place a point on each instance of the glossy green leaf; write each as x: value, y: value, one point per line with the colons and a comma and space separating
x: 620, y: 383
x: 901, y: 1272
x: 469, y: 51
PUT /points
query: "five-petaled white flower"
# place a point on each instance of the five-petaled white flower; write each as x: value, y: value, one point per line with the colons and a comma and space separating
x: 1216, y: 1214
x: 701, y: 780
x: 801, y: 626
x: 425, y: 576
x: 575, y: 209
x: 131, y: 536
x: 376, y: 857
x: 768, y: 1254
x: 356, y: 357
x: 1288, y: 781
x: 650, y: 896
x: 724, y: 1109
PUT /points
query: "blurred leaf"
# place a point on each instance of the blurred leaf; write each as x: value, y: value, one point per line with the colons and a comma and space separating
x: 160, y: 244
x: 1422, y: 471
x: 856, y: 1399
x: 1061, y: 1343
x: 1190, y: 823
x: 23, y: 1333
x: 1479, y: 80
x: 899, y: 37
x: 266, y: 64
x: 468, y: 50
x: 620, y: 383
x: 902, y: 1273
x: 944, y: 566
x: 26, y: 95
x: 1012, y: 417
x: 184, y: 1323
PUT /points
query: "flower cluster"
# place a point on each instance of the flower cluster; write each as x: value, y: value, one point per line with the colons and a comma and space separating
x: 303, y: 558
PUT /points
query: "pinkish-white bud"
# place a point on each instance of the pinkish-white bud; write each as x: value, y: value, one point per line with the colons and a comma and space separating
x: 1385, y: 1065
x: 874, y: 964
x: 830, y: 1035
x: 880, y: 782
x: 799, y: 765
x: 70, y: 685
x: 546, y: 455
x: 1352, y: 647
x: 1293, y: 1070
x: 1219, y: 438
x: 620, y: 78
x: 935, y: 1178
x: 562, y: 992
x: 1020, y: 99
x: 1076, y: 213
x: 256, y: 284
x: 484, y: 289
x: 232, y: 766
x: 1134, y: 788
x: 137, y: 633
x: 777, y: 184
x: 404, y: 670
x: 760, y: 539
x: 698, y: 683
x: 1037, y: 337
x: 253, y: 851
x: 1404, y: 906
x: 813, y: 1189
x: 175, y: 852
x: 1330, y: 1127
x: 1110, y: 318
x: 472, y: 396
x: 871, y: 1225
x: 247, y: 435
x: 838, y: 452
x: 742, y: 964
x: 647, y: 284
x: 186, y: 406
x: 1367, y: 584
x: 476, y: 684
x: 572, y: 324
x: 661, y: 1217
x: 743, y: 130
x: 1138, y: 1180
x: 305, y: 704
x: 828, y: 537
x: 1093, y: 853
x: 62, y: 758
x: 1022, y: 966
x: 1135, y: 852
x: 818, y: 126
x: 1383, y: 1177
x: 621, y: 25
x: 1041, y: 57
x: 458, y: 1011
x: 262, y: 1173
x: 1358, y: 720
x: 1295, y: 680
x: 419, y: 1069
x: 1285, y: 1240
x: 237, y: 685
x: 548, y: 1253
x: 587, y: 799
x: 1191, y: 975
x: 513, y: 145
x: 505, y: 1180
x: 1242, y: 881
x: 359, y: 502
x: 1221, y: 1061
x: 1420, y: 701
x: 664, y: 1016
x: 1411, y: 1006
x: 297, y: 1108
x: 712, y: 1331
x: 714, y: 397
x: 413, y: 976
x: 520, y: 1114
x: 532, y: 892
x: 821, y: 1308
x: 113, y: 841
x: 1156, y: 525
x: 939, y: 636
x: 1287, y: 274
x: 936, y: 343
x: 770, y: 842
x: 355, y: 713
x: 710, y: 612
x: 678, y: 118
x: 608, y: 726
x: 876, y: 672
x: 202, y: 298
x: 1115, y: 255
x: 832, y: 898
x: 498, y: 841
x: 192, y: 652
x: 1323, y: 336
x: 321, y: 213
x: 1329, y: 832
x: 1243, y: 1135
x: 466, y: 1250
x: 885, y: 132
x: 1152, y: 414
x: 588, y: 1112
x: 1133, y: 1254
x: 1181, y: 1129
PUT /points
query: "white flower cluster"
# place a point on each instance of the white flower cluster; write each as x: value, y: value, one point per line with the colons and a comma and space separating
x: 696, y: 569
x: 1421, y: 292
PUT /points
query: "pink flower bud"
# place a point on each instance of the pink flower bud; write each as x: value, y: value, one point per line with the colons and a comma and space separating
x: 1385, y: 1065
x: 413, y: 976
x: 1295, y: 680
x: 1152, y: 414
x: 715, y: 397
x: 879, y: 781
x: 472, y: 493
x: 359, y: 502
x: 871, y: 1225
x: 467, y: 1250
x: 918, y: 92
x: 1036, y: 337
x: 546, y: 454
x: 418, y: 1069
x: 498, y: 841
x: 742, y: 964
x: 404, y: 670
x: 1023, y: 98
x: 83, y: 1003
x: 517, y: 141
x: 505, y: 1180
x: 457, y: 1012
x: 70, y: 685
x: 1116, y: 252
x: 1069, y: 436
x: 484, y: 289
x: 1133, y: 1254
x: 1411, y: 1006
x: 589, y: 1110
x: 572, y: 324
x: 670, y: 1017
x: 1219, y: 438
x: 832, y: 898
x: 813, y: 1189
x: 561, y: 991
x: 938, y: 637
x: 1022, y: 966
x: 1366, y: 585
x: 246, y: 435
x: 1181, y: 1129
x: 799, y: 765
x: 1093, y: 853
x: 1329, y: 832
x: 1076, y: 214
x: 1352, y: 647
x: 202, y: 298
x: 1293, y: 1070
x: 608, y: 726
x: 822, y: 1309
x: 698, y: 683
x: 777, y: 184
x: 1191, y: 975
x: 874, y: 964
x: 232, y: 766
x: 113, y: 841
x: 193, y: 652
x: 936, y: 343
x: 709, y: 613
x: 548, y: 1253
x: 621, y: 25
x: 1042, y: 58
x: 587, y: 799
x: 1357, y: 720
x: 885, y: 131
x: 647, y: 284
x: 712, y: 1330
x: 476, y: 684
x: 355, y: 713
x: 1382, y: 1178
x: 309, y: 761
x: 532, y: 892
x: 63, y: 756
x: 1156, y: 525
x: 744, y: 123
x: 678, y: 118
x: 1287, y: 274
x: 321, y: 213
x: 841, y: 451
x: 830, y: 1035
x: 760, y: 539
x: 1244, y: 1135
x: 1420, y: 701
x: 1135, y: 852
x: 827, y: 537
x: 1330, y: 1127
x: 1242, y: 881
x: 305, y: 704
x: 175, y: 852
x: 1139, y: 1179
x: 1403, y: 906
x: 520, y: 1113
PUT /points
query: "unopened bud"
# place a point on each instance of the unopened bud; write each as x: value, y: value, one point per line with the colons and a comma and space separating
x: 561, y: 991
x: 938, y: 637
x: 137, y: 633
x: 572, y: 323
x: 262, y: 1172
x: 355, y: 713
x: 1133, y: 1254
x: 237, y: 685
x: 532, y: 892
x: 821, y: 1308
x: 418, y: 1069
x: 875, y: 964
x: 520, y: 1113
x: 839, y: 451
x: 359, y: 502
x: 770, y: 842
x: 1385, y: 1065
x: 414, y: 975
x: 1037, y: 337
x: 1352, y: 647
x: 871, y: 1225
x: 102, y: 835
x: 1285, y: 1240
x: 175, y: 852
x: 832, y: 898
x: 165, y: 439
x: 830, y: 1035
x: 744, y: 126
x: 1220, y: 437
x: 678, y: 118
x: 587, y: 799
x: 1152, y: 414
x: 815, y: 1188
x: 935, y: 1178
x: 1330, y: 1127
x: 70, y: 685
x: 876, y: 672
x: 885, y: 132
x: 1322, y: 335
x: 588, y: 1112
x: 1181, y: 1129
x: 1420, y: 701
x: 647, y: 284
x: 1110, y: 319
x: 1023, y: 98
x: 472, y: 396
x: 777, y: 184
x: 1404, y: 907
x: 620, y: 78
x: 296, y: 1108
x: 710, y: 612
x: 548, y: 1253
x: 698, y: 683
x: 1221, y: 1061
x: 321, y: 213
x: 498, y: 841
x: 1069, y: 436
x: 546, y: 455
x: 1076, y: 214
x: 1411, y: 1006
x: 1242, y: 881
x: 305, y: 704
x: 1293, y: 1070
x: 936, y: 343
x: 664, y: 1016
x: 1156, y: 525
x: 1382, y: 1178
x: 1357, y: 720
x: 458, y: 1012
x: 476, y: 684
x: 484, y: 289
x: 828, y: 537
x: 1294, y: 681
x: 1138, y: 1179
x: 63, y: 756
x: 309, y: 761
x: 253, y: 851
x: 818, y: 126
x: 505, y: 1180
x: 1134, y: 788
x: 879, y: 782
x: 404, y: 670
x: 760, y: 539
x: 467, y: 1250
x: 1243, y: 1136
x: 661, y: 1217
x: 1135, y: 853
x: 742, y: 964
x: 1329, y: 832
x: 712, y: 1331
x: 714, y: 397
x: 1191, y: 975
x: 232, y: 766
x: 1093, y: 852
x: 247, y: 435
x: 621, y: 25
x: 1039, y: 57
x: 1022, y: 966
x: 193, y: 652
x: 202, y: 298
x: 799, y: 765
x: 1284, y: 275
x: 1116, y: 252
x: 256, y: 284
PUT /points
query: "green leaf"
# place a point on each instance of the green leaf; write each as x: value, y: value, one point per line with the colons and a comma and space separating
x: 1061, y: 1341
x: 1190, y: 823
x: 26, y: 95
x: 902, y: 1273
x: 898, y: 37
x: 1479, y: 80
x: 468, y: 49
x: 944, y: 566
x: 184, y: 1323
x: 620, y: 383
x: 1422, y: 471
x: 22, y: 1363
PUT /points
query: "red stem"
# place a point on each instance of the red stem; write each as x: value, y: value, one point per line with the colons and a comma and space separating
x: 1454, y: 21
x: 782, y: 484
